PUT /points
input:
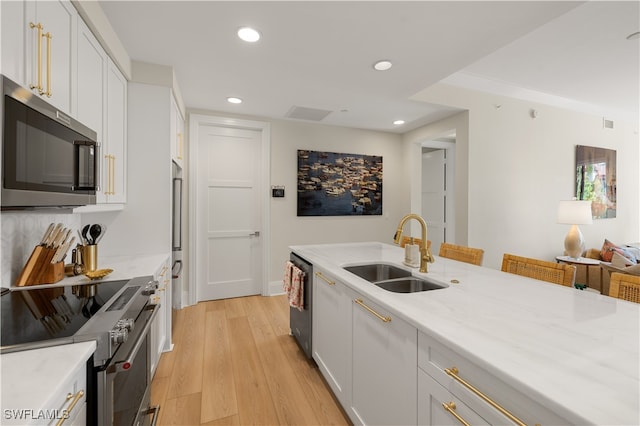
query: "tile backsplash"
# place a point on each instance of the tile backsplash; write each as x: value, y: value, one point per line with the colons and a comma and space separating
x: 21, y: 232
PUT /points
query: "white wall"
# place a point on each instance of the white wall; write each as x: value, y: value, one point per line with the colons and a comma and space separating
x: 289, y: 229
x: 520, y: 167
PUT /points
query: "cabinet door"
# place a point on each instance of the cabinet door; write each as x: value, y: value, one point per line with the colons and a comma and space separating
x: 13, y: 31
x: 437, y: 406
x: 331, y: 336
x: 92, y: 68
x: 384, y: 366
x: 59, y: 19
x: 115, y: 164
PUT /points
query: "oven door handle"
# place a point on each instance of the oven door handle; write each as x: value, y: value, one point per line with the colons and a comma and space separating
x: 124, y: 365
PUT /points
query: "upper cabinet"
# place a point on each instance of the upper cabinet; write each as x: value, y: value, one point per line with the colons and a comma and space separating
x: 39, y: 48
x: 114, y: 176
x: 102, y: 105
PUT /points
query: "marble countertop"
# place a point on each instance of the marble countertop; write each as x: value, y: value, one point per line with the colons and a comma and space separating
x: 575, y: 352
x: 34, y: 380
x: 124, y: 268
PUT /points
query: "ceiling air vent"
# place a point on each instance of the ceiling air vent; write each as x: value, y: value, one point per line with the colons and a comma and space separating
x: 303, y: 113
x: 607, y: 124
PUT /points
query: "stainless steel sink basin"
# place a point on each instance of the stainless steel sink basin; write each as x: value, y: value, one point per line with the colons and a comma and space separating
x: 392, y: 278
x: 409, y: 285
x: 374, y: 272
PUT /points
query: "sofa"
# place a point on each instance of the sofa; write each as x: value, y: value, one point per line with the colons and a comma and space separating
x: 614, y: 258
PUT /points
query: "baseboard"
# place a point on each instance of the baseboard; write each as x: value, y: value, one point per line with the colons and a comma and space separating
x: 275, y: 288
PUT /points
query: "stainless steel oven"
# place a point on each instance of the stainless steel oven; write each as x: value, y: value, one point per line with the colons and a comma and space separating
x: 117, y: 315
x: 126, y: 379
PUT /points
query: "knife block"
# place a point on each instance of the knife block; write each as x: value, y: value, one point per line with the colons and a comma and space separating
x: 39, y: 269
x: 53, y: 273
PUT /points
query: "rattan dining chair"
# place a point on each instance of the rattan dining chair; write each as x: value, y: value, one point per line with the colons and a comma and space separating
x: 557, y: 273
x: 407, y: 240
x: 461, y: 253
x: 625, y: 286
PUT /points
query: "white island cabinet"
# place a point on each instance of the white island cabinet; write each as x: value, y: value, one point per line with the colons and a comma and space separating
x: 384, y: 360
x: 332, y: 332
x: 487, y: 348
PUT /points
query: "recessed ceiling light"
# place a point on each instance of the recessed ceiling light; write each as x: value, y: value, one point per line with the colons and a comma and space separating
x: 382, y: 65
x: 249, y: 34
x: 634, y: 36
x: 398, y: 122
x: 233, y: 100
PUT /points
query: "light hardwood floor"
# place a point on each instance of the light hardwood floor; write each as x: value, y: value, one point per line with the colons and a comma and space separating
x: 234, y: 363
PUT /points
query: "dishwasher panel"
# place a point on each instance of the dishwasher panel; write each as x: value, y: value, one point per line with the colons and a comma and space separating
x: 300, y: 321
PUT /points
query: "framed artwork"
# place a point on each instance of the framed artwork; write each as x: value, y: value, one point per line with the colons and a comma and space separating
x: 336, y: 184
x: 596, y: 179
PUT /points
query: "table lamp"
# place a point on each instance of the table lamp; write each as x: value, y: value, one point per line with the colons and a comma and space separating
x: 574, y: 213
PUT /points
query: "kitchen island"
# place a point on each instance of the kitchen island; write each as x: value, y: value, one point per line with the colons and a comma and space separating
x: 543, y: 352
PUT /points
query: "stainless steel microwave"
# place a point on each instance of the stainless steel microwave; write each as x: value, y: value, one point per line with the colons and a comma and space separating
x: 48, y: 158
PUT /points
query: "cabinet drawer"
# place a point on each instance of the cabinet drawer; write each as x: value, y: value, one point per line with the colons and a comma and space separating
x: 434, y: 358
x: 432, y: 399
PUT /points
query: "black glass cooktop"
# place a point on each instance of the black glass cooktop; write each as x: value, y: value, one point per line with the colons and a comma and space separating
x: 44, y: 314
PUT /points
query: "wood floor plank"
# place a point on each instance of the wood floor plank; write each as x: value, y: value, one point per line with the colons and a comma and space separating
x: 182, y: 411
x: 288, y: 396
x: 271, y: 381
x: 234, y: 307
x: 187, y: 376
x: 255, y: 405
x: 218, y: 386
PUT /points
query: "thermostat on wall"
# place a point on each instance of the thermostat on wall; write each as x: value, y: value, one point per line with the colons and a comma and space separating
x: 277, y: 191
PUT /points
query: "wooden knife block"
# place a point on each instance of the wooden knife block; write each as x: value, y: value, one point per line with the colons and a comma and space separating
x: 39, y: 269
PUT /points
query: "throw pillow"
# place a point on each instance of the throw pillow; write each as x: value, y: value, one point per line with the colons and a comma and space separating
x: 633, y: 270
x: 608, y: 248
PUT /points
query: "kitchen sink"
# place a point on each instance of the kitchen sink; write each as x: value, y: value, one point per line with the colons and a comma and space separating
x: 392, y: 278
x: 409, y: 285
x: 374, y: 272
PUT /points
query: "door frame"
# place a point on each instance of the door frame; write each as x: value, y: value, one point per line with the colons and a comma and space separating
x: 195, y: 122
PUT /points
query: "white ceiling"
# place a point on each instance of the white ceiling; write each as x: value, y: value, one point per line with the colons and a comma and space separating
x: 319, y: 54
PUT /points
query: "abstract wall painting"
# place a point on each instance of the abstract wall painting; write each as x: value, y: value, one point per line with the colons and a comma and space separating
x: 337, y: 184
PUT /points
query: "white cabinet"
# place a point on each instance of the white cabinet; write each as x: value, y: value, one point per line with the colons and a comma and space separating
x: 39, y: 48
x: 331, y: 345
x: 177, y: 133
x: 43, y: 386
x: 91, y: 71
x: 437, y: 406
x: 491, y: 398
x: 114, y: 170
x: 384, y: 366
x: 160, y: 339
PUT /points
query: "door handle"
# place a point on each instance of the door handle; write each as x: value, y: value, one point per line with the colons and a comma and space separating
x: 255, y: 234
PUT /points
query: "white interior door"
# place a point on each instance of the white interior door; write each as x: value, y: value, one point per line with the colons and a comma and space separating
x: 229, y: 213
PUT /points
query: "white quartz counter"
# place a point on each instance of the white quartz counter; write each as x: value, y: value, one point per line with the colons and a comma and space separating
x: 34, y: 380
x: 575, y: 352
x: 124, y: 268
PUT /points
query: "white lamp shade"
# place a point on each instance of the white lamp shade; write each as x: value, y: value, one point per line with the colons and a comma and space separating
x: 575, y: 212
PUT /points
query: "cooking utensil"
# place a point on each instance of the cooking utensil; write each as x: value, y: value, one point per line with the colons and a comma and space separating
x: 103, y: 231
x: 95, y: 231
x: 85, y: 231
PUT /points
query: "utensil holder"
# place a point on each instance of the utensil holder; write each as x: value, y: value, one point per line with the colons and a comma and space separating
x: 89, y: 256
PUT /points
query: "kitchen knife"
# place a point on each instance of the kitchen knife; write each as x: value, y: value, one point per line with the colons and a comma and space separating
x: 47, y: 233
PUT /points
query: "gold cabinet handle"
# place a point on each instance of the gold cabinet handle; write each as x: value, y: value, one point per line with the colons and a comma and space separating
x: 451, y: 409
x: 371, y: 311
x: 108, y: 189
x: 453, y: 372
x: 48, y: 92
x: 113, y: 175
x: 325, y: 279
x: 68, y: 411
x: 39, y: 85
